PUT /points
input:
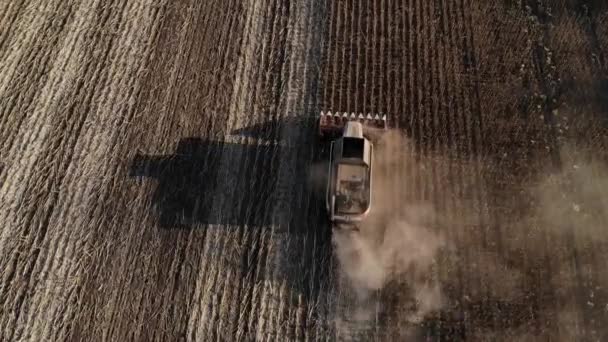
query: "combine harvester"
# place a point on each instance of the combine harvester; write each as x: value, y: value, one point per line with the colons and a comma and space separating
x: 349, y: 183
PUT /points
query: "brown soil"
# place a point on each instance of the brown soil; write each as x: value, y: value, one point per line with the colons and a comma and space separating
x: 155, y: 159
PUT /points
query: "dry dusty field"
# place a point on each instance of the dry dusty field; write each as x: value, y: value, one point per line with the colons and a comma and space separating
x: 156, y: 162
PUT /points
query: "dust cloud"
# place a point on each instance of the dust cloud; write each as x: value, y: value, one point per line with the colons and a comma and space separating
x: 396, y: 243
x: 542, y: 256
x: 533, y: 245
x: 576, y: 199
x: 573, y: 211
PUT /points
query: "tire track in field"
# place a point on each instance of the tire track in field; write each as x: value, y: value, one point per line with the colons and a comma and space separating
x: 251, y: 239
x: 207, y: 293
x: 337, y: 76
x: 223, y: 319
x: 284, y: 291
x: 266, y: 108
x: 267, y: 294
x: 315, y: 303
x: 206, y: 287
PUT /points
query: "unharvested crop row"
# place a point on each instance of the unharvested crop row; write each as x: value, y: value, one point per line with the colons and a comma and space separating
x: 407, y: 60
x: 463, y: 86
x: 414, y: 61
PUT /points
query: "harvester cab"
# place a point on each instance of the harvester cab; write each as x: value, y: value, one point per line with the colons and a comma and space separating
x: 349, y: 185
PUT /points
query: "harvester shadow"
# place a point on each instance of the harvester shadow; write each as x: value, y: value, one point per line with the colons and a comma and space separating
x: 208, y: 182
x: 272, y: 128
x: 211, y: 183
x: 307, y: 258
x: 214, y: 184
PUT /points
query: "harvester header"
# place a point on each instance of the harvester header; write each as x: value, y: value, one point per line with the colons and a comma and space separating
x: 332, y: 124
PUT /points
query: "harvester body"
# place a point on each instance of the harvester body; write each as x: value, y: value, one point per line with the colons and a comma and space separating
x: 349, y: 185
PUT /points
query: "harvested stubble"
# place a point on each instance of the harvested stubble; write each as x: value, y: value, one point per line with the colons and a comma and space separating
x: 503, y: 103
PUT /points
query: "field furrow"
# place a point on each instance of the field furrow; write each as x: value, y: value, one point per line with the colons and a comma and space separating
x: 26, y: 68
x: 161, y: 176
x: 11, y: 13
x: 63, y: 266
x: 24, y: 183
